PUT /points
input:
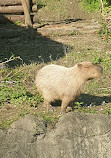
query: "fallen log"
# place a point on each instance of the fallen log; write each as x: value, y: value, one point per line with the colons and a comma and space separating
x: 10, y: 2
x: 11, y: 18
x: 11, y: 9
x: 16, y: 9
x: 13, y: 2
x: 36, y: 19
x: 34, y: 2
x: 34, y: 8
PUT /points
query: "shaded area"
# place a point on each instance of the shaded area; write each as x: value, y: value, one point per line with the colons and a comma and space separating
x: 4, y: 20
x: 28, y: 44
x: 66, y: 21
x: 72, y: 20
x: 39, y: 6
x: 109, y: 2
x: 88, y: 99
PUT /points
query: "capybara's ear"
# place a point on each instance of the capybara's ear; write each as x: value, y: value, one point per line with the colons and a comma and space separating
x: 79, y: 65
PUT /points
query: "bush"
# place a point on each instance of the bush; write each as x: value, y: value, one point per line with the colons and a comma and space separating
x: 94, y: 5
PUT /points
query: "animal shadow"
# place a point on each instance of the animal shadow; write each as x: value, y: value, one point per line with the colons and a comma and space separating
x: 88, y: 99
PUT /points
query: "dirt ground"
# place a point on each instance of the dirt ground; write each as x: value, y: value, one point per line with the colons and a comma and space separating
x: 60, y: 10
x: 64, y: 41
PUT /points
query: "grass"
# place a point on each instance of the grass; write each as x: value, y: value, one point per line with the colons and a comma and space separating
x: 18, y: 94
x: 49, y: 118
x: 90, y: 5
x: 105, y: 32
x: 56, y: 7
x: 17, y: 90
x: 95, y: 5
x: 13, y: 88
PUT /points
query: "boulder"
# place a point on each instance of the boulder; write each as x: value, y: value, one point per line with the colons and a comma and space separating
x: 76, y: 135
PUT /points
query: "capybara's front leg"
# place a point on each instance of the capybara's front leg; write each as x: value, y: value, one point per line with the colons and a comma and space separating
x: 49, y: 106
x: 75, y: 100
x: 65, y: 103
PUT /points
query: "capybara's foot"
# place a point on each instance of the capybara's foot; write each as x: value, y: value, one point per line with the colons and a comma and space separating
x: 50, y: 108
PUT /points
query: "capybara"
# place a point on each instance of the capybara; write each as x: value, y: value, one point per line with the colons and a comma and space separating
x: 56, y: 82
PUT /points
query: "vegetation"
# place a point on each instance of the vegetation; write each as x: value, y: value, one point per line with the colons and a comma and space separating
x: 104, y: 32
x: 96, y: 5
x: 91, y: 5
x: 13, y: 88
x: 18, y: 94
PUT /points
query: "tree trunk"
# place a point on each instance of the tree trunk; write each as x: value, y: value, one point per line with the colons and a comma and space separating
x: 25, y: 4
x: 28, y: 4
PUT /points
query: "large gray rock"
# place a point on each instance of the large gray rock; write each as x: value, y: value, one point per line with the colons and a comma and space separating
x: 19, y: 140
x: 75, y: 136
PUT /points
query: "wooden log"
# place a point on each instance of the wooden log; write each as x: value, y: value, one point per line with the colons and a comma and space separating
x: 11, y: 9
x: 28, y: 5
x: 13, y: 2
x: 17, y: 8
x: 34, y: 1
x: 34, y: 8
x: 36, y: 19
x: 10, y: 2
x: 11, y: 18
x: 28, y: 21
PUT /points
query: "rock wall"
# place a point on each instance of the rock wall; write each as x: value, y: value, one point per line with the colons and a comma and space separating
x: 75, y: 136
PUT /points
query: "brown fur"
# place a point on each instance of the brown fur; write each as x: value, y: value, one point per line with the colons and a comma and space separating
x: 56, y: 82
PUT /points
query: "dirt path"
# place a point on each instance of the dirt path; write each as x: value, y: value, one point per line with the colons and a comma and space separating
x: 80, y: 34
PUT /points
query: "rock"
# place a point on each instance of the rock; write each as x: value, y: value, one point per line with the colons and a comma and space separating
x: 78, y: 136
x: 19, y: 140
x: 75, y: 136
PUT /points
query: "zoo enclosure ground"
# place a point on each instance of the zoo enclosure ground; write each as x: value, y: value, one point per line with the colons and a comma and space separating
x: 65, y: 44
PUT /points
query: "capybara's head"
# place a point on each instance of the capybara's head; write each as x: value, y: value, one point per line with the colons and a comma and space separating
x: 90, y: 70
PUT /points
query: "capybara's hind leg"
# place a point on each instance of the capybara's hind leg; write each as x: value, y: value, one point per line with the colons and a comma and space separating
x: 49, y: 106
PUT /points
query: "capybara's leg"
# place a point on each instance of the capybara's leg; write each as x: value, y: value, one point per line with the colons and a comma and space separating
x: 73, y: 103
x: 49, y: 107
x: 65, y: 103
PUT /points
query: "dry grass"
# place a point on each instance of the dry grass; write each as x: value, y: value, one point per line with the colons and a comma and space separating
x: 18, y: 95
